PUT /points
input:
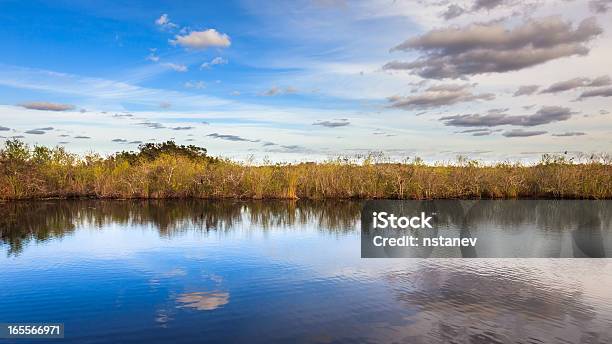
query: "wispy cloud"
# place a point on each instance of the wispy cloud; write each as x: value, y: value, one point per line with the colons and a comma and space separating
x: 437, y: 96
x: 341, y: 122
x: 35, y: 132
x: 164, y: 22
x: 153, y: 55
x: 195, y: 84
x: 96, y: 88
x: 523, y: 133
x: 152, y: 125
x: 526, y: 90
x: 230, y: 137
x: 600, y: 92
x: 575, y: 83
x: 216, y: 61
x: 570, y: 133
x: 545, y: 115
x: 175, y: 66
x: 47, y: 106
x: 275, y: 91
x: 478, y: 131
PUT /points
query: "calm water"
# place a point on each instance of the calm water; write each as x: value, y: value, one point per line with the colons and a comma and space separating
x: 197, y: 271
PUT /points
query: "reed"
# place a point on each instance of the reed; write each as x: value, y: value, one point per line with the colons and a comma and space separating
x: 171, y: 171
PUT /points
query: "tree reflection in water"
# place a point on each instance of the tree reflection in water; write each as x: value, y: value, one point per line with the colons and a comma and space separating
x: 21, y: 222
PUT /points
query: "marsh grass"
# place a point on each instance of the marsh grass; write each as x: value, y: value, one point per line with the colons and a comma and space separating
x: 171, y: 171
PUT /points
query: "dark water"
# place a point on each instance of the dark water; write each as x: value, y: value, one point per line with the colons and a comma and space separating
x: 197, y: 271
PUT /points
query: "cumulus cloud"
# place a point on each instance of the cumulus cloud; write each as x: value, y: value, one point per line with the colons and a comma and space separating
x: 440, y: 95
x: 182, y: 128
x: 523, y: 133
x: 216, y: 61
x: 45, y: 128
x: 4, y: 128
x: 202, y: 39
x: 175, y: 66
x: 82, y: 137
x: 341, y: 122
x: 599, y: 92
x: 46, y: 106
x: 135, y: 142
x: 230, y: 137
x: 35, y: 132
x: 120, y: 140
x: 570, y: 133
x: 526, y: 90
x: 492, y: 48
x: 571, y: 84
x: 547, y: 114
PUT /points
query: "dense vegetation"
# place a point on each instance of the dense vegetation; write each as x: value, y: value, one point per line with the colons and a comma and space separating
x: 168, y: 170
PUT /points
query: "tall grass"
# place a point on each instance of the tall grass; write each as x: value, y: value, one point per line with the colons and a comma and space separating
x: 171, y: 171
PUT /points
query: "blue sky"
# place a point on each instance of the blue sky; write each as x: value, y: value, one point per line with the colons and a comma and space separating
x: 306, y: 80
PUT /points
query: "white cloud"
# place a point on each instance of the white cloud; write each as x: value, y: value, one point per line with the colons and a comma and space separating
x: 216, y: 61
x: 276, y: 91
x: 195, y: 84
x: 152, y: 57
x: 164, y: 22
x: 202, y: 39
x: 174, y: 66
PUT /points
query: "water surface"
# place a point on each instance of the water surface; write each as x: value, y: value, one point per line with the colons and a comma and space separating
x: 204, y: 271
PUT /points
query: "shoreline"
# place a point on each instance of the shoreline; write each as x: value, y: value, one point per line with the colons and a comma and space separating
x: 170, y: 171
